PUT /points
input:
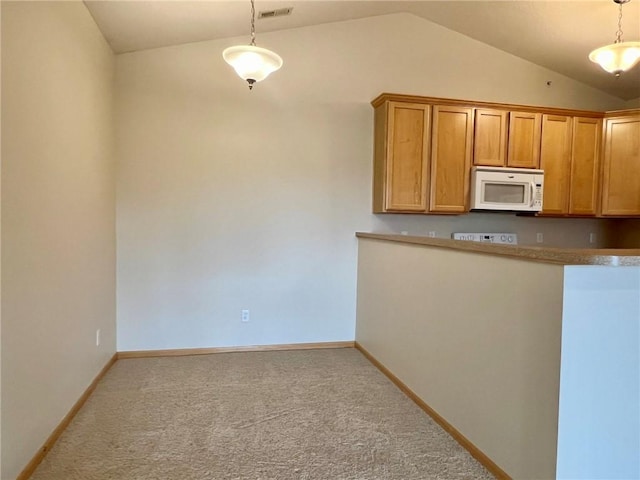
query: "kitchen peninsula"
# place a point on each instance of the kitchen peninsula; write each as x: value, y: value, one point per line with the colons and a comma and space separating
x: 530, y: 354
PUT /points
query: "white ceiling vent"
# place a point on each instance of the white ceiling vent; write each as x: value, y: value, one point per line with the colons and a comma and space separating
x: 280, y: 12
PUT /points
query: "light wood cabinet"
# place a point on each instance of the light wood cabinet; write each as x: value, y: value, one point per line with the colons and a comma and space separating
x: 401, y: 157
x: 490, y: 137
x: 555, y: 160
x: 569, y: 156
x: 585, y: 166
x: 524, y: 140
x: 621, y: 167
x: 424, y: 148
x: 451, y: 159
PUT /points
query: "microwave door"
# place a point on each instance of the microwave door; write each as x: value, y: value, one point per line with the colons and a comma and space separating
x: 498, y: 193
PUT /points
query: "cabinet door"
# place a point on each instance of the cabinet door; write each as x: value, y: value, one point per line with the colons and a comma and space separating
x: 585, y: 166
x: 451, y: 159
x: 621, y: 172
x: 555, y: 160
x: 401, y: 157
x: 490, y: 138
x: 524, y: 140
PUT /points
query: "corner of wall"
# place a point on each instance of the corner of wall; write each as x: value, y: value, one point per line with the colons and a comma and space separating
x: 58, y: 226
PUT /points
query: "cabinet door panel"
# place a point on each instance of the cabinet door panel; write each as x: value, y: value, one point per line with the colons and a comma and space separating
x: 451, y: 159
x: 490, y: 138
x: 555, y: 160
x: 585, y: 166
x: 524, y: 140
x: 621, y: 172
x: 408, y: 150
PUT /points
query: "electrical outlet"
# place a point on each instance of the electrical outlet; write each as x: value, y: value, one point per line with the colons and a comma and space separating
x: 592, y: 237
x: 97, y: 337
x: 539, y: 237
x: 244, y: 316
x: 432, y: 234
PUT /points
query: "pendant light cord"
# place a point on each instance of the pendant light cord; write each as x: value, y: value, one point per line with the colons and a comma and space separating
x: 253, y: 23
x: 618, y: 33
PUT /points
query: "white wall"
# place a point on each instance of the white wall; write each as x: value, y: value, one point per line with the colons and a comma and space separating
x: 599, y: 417
x: 229, y: 199
x: 58, y: 235
x: 476, y: 337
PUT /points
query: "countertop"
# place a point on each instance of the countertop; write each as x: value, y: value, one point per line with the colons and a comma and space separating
x: 559, y: 256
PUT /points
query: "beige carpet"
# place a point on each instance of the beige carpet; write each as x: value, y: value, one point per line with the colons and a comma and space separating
x: 315, y: 414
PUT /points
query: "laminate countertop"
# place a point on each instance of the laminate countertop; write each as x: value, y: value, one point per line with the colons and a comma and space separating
x: 559, y: 256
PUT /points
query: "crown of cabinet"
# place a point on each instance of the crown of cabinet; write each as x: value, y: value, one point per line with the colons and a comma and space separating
x: 396, y: 97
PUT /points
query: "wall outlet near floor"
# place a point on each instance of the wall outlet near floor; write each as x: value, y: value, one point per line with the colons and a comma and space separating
x: 97, y: 337
x: 244, y: 316
x: 432, y: 234
x: 592, y: 237
x: 539, y: 237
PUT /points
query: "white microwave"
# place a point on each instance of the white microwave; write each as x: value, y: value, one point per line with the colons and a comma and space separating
x: 506, y: 189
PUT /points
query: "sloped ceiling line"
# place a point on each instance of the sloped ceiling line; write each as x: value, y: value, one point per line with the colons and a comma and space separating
x: 556, y: 34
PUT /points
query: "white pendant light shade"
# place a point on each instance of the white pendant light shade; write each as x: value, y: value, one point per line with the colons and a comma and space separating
x: 252, y: 63
x: 617, y: 57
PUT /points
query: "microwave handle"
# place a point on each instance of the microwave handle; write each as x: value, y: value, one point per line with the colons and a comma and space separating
x: 532, y: 199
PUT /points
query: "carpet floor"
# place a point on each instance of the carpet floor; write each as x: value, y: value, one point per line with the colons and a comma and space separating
x: 303, y: 415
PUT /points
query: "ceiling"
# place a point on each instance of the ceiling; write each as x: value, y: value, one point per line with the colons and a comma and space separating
x: 557, y: 34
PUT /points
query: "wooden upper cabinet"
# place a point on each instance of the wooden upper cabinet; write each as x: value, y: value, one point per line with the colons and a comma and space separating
x: 585, y: 166
x: 524, y: 140
x: 621, y: 166
x: 424, y: 148
x: 490, y: 138
x: 555, y: 160
x: 401, y: 157
x: 451, y: 159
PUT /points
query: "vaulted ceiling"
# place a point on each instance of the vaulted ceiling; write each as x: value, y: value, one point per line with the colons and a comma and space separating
x: 557, y: 34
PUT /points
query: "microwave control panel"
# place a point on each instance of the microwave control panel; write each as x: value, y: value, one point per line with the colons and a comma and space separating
x: 537, y: 199
x: 501, y: 238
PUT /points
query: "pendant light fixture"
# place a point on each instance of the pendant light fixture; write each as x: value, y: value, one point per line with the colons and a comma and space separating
x: 252, y: 63
x: 619, y: 56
